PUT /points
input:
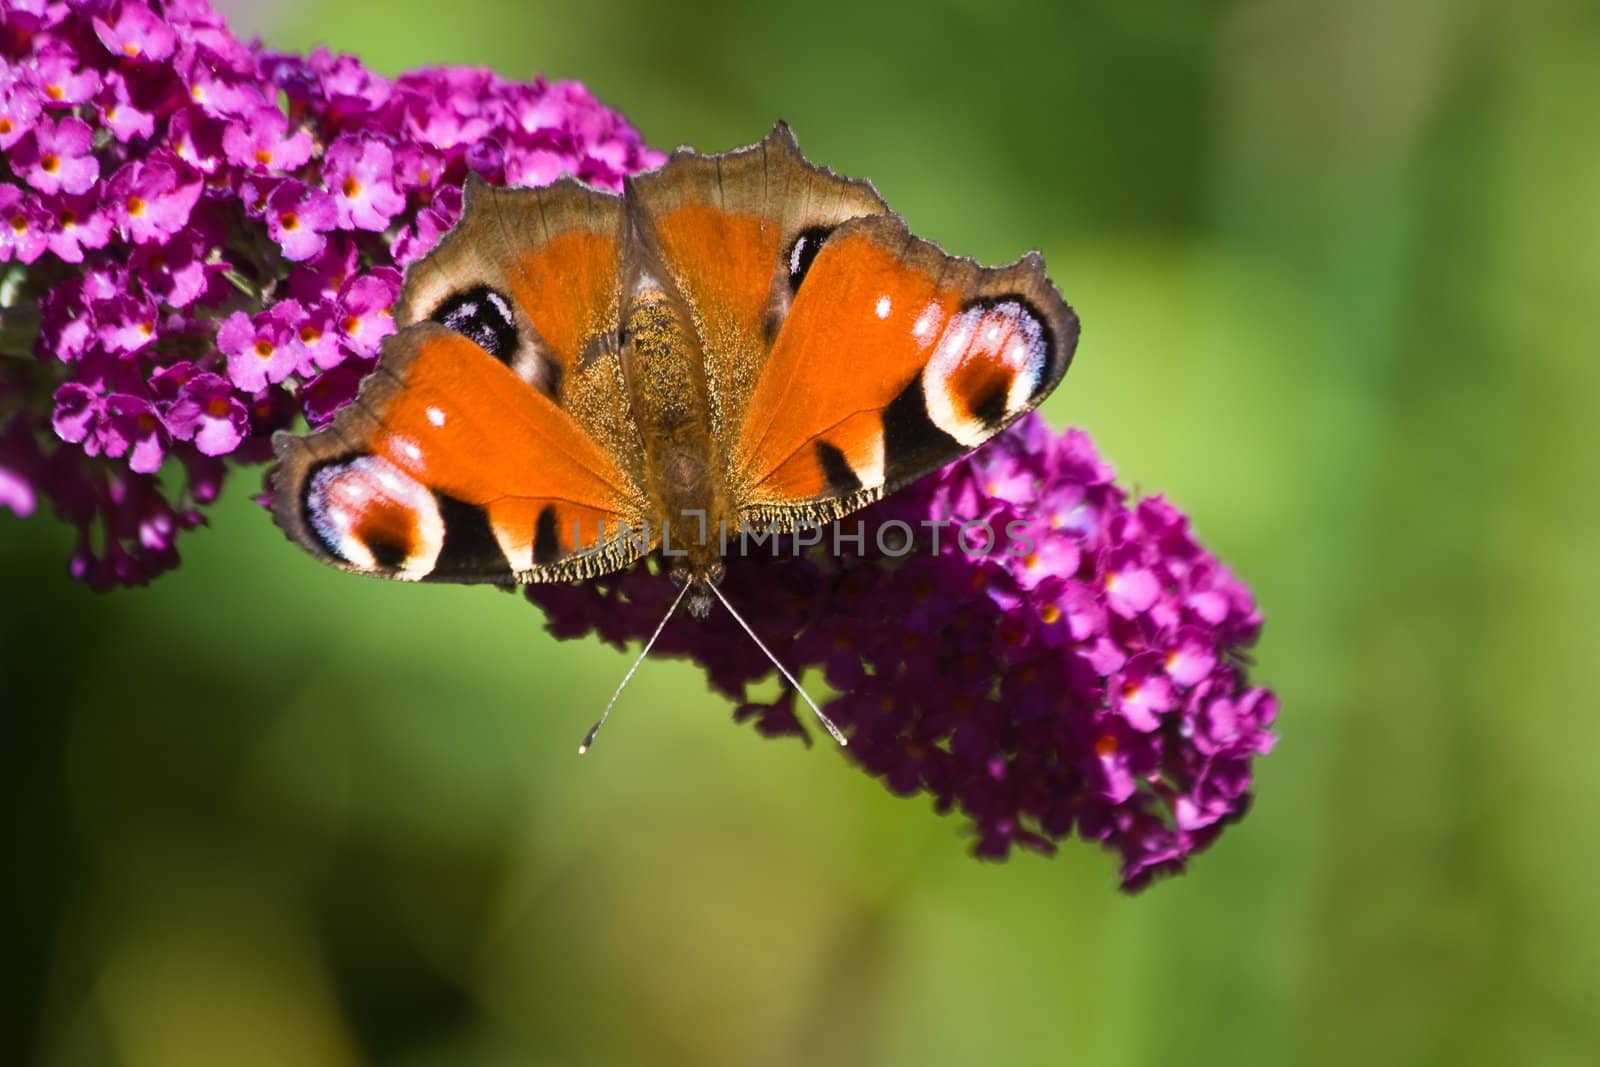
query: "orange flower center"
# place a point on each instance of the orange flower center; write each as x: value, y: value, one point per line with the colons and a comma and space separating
x: 50, y: 162
x: 1130, y: 691
x: 1106, y: 746
x: 352, y: 325
x: 217, y: 407
x: 130, y: 48
x: 55, y: 92
x: 147, y: 422
x: 19, y: 224
x: 310, y: 334
x: 69, y: 218
x: 351, y: 187
x: 135, y: 206
x: 5, y: 125
x: 264, y: 157
x: 264, y: 348
x: 289, y: 220
x: 1050, y: 614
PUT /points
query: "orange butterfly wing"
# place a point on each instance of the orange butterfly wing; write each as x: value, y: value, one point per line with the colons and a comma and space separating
x: 894, y: 359
x: 490, y: 445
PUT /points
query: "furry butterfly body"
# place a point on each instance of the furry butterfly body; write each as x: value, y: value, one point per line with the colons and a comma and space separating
x: 738, y: 341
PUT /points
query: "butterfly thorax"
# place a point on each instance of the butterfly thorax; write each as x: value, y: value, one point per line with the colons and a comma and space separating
x: 685, y: 481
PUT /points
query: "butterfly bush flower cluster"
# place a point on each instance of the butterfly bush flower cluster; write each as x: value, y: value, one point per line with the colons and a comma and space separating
x: 1081, y: 669
x: 201, y: 239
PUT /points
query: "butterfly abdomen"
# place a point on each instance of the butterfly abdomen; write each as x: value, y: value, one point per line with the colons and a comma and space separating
x: 666, y: 376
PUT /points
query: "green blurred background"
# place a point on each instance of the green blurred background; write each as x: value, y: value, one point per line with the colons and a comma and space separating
x: 1337, y: 267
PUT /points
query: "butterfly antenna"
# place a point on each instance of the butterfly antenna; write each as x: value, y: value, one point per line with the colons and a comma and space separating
x: 823, y: 719
x: 588, y: 739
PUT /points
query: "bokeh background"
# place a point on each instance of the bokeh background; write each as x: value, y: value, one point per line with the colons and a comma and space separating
x: 1338, y: 266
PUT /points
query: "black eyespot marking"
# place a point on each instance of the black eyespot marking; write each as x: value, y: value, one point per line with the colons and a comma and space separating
x: 470, y: 546
x: 990, y: 407
x: 842, y: 479
x: 546, y: 539
x: 387, y: 552
x: 482, y: 316
x: 804, y: 249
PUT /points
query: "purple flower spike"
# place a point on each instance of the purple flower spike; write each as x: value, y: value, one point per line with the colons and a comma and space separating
x: 1108, y: 699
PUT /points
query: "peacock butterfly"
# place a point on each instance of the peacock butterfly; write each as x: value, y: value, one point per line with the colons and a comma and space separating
x: 743, y: 340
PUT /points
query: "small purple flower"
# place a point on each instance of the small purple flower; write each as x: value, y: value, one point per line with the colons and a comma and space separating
x: 79, y: 414
x: 263, y: 142
x: 364, y: 303
x: 77, y: 225
x: 262, y: 350
x: 19, y: 112
x: 125, y: 323
x: 152, y: 200
x: 207, y: 413
x: 360, y: 174
x: 133, y: 428
x: 57, y: 158
x: 136, y: 33
x: 176, y: 273
x: 298, y: 218
x: 1141, y: 694
x: 62, y: 77
x: 119, y: 113
x: 24, y: 226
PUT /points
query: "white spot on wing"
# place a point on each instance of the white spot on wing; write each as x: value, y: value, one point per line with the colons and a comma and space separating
x: 927, y: 322
x: 435, y: 415
x: 883, y: 306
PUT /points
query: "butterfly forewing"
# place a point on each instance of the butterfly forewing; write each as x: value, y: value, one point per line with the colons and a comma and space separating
x: 494, y: 442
